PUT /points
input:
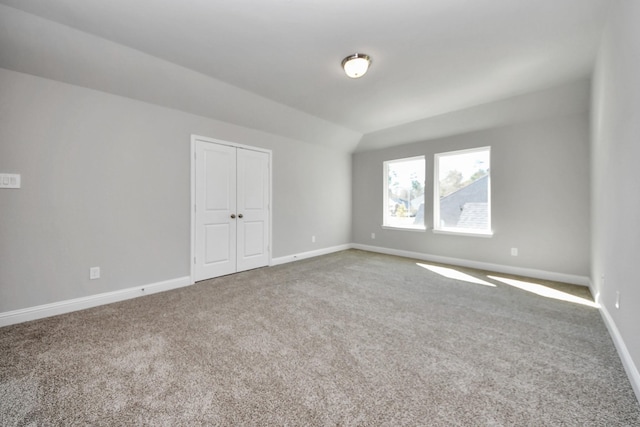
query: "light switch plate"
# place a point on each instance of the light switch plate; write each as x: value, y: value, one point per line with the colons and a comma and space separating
x: 9, y: 180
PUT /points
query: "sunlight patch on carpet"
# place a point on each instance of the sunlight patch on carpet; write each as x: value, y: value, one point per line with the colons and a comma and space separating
x: 452, y: 273
x: 544, y: 291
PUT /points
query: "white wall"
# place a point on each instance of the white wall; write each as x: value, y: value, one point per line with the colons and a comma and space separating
x: 106, y: 182
x: 540, y: 197
x: 615, y: 181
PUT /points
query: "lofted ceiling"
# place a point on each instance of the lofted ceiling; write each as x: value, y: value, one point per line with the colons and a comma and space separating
x: 430, y: 57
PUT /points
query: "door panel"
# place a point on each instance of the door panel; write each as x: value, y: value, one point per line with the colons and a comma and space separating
x: 214, y: 251
x: 253, y: 205
x: 252, y: 172
x: 219, y: 169
x: 215, y: 238
x: 253, y: 243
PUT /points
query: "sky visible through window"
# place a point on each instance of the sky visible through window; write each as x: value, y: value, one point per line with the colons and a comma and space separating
x: 408, y: 170
x: 467, y: 164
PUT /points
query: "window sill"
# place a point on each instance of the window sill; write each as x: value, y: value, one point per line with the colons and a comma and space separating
x: 415, y: 229
x: 485, y: 234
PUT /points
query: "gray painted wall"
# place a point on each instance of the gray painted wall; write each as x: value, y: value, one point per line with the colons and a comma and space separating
x: 540, y: 197
x: 615, y: 190
x: 106, y: 182
x: 568, y: 98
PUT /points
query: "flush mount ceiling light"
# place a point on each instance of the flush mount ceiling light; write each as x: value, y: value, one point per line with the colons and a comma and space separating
x: 356, y: 65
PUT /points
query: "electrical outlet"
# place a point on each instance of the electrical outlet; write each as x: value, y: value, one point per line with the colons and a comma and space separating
x: 373, y: 235
x: 94, y: 273
x: 9, y: 180
x: 514, y: 251
x: 313, y: 239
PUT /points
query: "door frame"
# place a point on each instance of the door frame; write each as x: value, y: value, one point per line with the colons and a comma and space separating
x: 192, y: 202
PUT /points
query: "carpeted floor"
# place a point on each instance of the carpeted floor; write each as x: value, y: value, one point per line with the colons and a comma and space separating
x: 351, y: 338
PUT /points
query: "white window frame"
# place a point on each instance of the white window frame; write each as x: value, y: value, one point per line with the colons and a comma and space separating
x: 385, y: 192
x: 437, y: 228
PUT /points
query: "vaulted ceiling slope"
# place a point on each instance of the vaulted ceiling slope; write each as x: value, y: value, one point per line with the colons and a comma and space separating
x: 276, y: 63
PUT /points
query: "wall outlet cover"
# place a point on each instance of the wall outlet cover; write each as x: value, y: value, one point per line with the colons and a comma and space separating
x: 9, y: 180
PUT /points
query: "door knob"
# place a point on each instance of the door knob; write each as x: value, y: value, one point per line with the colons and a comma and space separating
x: 240, y: 216
x: 233, y: 216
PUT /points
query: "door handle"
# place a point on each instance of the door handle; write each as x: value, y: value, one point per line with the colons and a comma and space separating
x: 240, y: 216
x: 233, y: 216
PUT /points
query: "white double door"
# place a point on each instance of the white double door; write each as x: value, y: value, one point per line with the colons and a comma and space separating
x: 231, y: 209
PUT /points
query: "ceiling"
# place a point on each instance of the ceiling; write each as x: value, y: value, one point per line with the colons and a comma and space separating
x: 430, y: 57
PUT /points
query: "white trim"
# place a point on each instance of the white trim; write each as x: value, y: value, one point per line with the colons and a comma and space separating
x: 194, y: 138
x: 192, y: 210
x: 623, y: 352
x: 418, y: 229
x: 310, y: 254
x: 452, y: 232
x: 67, y: 306
x: 498, y: 268
x: 227, y: 143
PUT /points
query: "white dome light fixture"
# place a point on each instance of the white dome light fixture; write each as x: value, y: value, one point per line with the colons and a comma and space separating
x: 356, y: 65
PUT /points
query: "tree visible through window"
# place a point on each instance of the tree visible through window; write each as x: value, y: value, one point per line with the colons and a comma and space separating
x: 404, y: 181
x: 462, y: 194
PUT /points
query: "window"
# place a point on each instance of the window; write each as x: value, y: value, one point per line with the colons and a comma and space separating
x: 404, y: 193
x: 462, y: 192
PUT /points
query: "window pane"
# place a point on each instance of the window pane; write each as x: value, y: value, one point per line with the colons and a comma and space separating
x: 463, y: 201
x: 404, y: 193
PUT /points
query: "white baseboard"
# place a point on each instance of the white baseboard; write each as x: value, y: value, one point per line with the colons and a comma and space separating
x: 623, y: 352
x: 310, y: 254
x: 498, y: 268
x: 67, y: 306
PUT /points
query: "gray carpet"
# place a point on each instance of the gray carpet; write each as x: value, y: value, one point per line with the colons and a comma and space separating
x: 352, y: 338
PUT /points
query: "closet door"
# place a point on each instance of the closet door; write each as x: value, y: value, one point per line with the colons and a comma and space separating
x: 253, y: 209
x: 231, y: 214
x: 215, y: 210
